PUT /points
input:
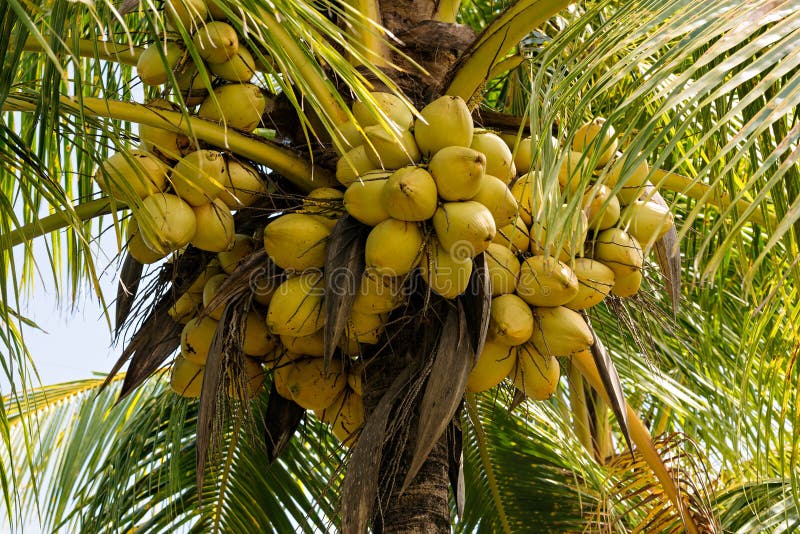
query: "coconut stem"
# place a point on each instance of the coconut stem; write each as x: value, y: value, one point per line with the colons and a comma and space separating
x: 117, y: 52
x: 503, y: 34
x: 296, y: 169
x: 369, y: 32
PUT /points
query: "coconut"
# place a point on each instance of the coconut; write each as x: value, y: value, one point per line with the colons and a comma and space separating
x: 495, y: 195
x: 263, y: 284
x: 444, y: 122
x: 236, y: 105
x: 362, y: 200
x: 510, y: 320
x: 210, y: 291
x: 570, y: 232
x: 647, y: 221
x: 535, y: 374
x: 243, y: 185
x: 355, y: 378
x: 136, y: 174
x: 345, y: 415
x: 186, y: 307
x: 446, y: 275
x: 326, y: 202
x: 311, y: 345
x: 364, y: 327
x: 545, y: 281
x: 297, y: 241
x: 191, y: 85
x: 559, y: 331
x: 378, y: 294
x: 212, y: 269
x: 230, y: 259
x: 296, y: 307
x: 465, y: 229
x: 256, y: 339
x: 458, y: 172
x: 410, y: 194
x: 595, y: 280
x: 240, y: 68
x: 571, y: 171
x: 503, y: 268
x: 216, y: 42
x: 186, y: 378
x: 137, y: 248
x: 629, y: 171
x: 526, y: 155
x: 350, y: 135
x: 499, y: 160
x: 494, y: 363
x: 527, y: 192
x: 199, y: 177
x: 393, y: 247
x: 311, y: 385
x: 167, y: 145
x: 214, y: 227
x: 157, y: 61
x: 170, y: 223
x: 390, y: 150
x: 353, y: 164
x: 628, y: 285
x: 619, y: 251
x: 514, y: 236
x: 196, y: 338
x: 215, y: 10
x: 190, y: 13
x: 596, y: 137
x: 248, y: 382
x: 602, y: 208
x: 391, y: 107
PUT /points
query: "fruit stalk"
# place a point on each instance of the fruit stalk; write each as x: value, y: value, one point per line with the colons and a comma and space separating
x: 368, y: 32
x: 117, y: 52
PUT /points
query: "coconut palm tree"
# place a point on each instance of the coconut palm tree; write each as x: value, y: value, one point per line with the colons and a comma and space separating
x: 702, y: 358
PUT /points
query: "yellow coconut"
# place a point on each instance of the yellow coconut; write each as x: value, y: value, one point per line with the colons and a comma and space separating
x: 310, y: 345
x: 527, y: 192
x: 199, y: 177
x: 190, y: 13
x: 602, y: 208
x: 510, y: 320
x: 446, y: 275
x: 191, y: 84
x: 296, y: 307
x: 167, y: 145
x: 157, y: 60
x: 325, y: 202
x: 559, y: 331
x: 569, y: 230
x: 465, y: 229
x: 136, y: 174
x: 196, y: 338
x: 619, y: 251
x: 458, y: 172
x: 494, y: 363
x: 446, y: 121
x: 631, y: 170
x: 137, y: 248
x: 527, y: 156
x: 394, y: 247
x: 595, y: 280
x: 362, y: 200
x: 243, y: 246
x: 389, y: 107
x: 503, y: 267
x: 628, y: 285
x: 243, y: 185
x: 390, y: 150
x: 410, y: 194
x: 545, y: 281
x: 186, y: 378
x: 514, y: 236
x: 378, y: 294
x: 166, y: 223
x: 573, y: 168
x: 239, y: 68
x: 210, y: 291
x: 256, y: 339
x: 345, y: 415
x: 216, y: 42
x: 355, y: 378
x: 647, y: 221
x: 311, y: 386
x: 499, y: 160
x: 246, y: 382
x: 186, y: 307
x: 353, y: 164
x: 350, y: 136
x: 214, y: 227
x: 212, y: 269
x: 364, y: 327
x: 236, y: 105
x: 535, y: 374
x: 596, y: 137
x: 297, y: 241
x: 495, y: 195
x: 281, y: 373
x: 263, y: 284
